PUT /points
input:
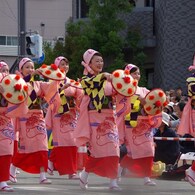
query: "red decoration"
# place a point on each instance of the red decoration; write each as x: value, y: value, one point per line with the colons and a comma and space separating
x: 48, y: 72
x: 20, y: 97
x: 59, y: 75
x: 54, y: 67
x: 148, y: 108
x: 127, y: 79
x: 62, y: 70
x: 76, y: 83
x: 8, y: 95
x: 160, y: 94
x: 127, y: 72
x: 119, y: 85
x: 158, y: 104
x: 165, y: 103
x: 44, y: 66
x: 151, y: 97
x: 129, y: 91
x: 7, y: 81
x: 135, y: 83
x: 17, y: 87
x: 25, y: 88
x: 17, y: 77
x: 116, y: 74
x: 158, y: 112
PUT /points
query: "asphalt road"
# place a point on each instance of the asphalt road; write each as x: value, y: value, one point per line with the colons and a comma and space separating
x: 28, y: 184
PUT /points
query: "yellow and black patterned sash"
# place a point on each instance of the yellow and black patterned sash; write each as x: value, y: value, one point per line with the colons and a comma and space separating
x: 94, y: 88
x: 131, y: 118
x: 33, y: 100
x: 64, y: 107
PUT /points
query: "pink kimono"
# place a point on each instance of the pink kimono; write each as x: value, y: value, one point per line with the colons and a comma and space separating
x: 139, y: 141
x: 100, y: 132
x: 6, y: 143
x: 33, y: 151
x: 62, y: 126
x: 187, y: 122
x: 6, y: 138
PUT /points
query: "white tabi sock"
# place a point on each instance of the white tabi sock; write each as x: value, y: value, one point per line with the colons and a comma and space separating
x: 13, y: 170
x: 42, y: 176
x: 2, y: 184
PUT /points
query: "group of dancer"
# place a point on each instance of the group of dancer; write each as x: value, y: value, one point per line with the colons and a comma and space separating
x: 91, y: 113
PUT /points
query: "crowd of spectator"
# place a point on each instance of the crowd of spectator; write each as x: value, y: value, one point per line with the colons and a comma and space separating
x: 169, y: 151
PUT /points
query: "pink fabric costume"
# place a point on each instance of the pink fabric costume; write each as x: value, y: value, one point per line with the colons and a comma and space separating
x: 62, y: 126
x: 6, y: 139
x: 139, y: 141
x: 33, y: 150
x: 6, y: 143
x: 187, y: 123
x: 99, y: 130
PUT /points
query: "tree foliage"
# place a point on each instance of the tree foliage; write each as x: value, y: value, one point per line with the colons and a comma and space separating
x: 100, y: 31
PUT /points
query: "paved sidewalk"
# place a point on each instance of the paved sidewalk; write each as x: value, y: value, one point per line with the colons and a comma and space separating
x: 28, y: 184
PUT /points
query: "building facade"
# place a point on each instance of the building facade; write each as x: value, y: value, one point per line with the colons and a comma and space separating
x: 175, y: 42
x: 167, y: 27
x: 47, y: 17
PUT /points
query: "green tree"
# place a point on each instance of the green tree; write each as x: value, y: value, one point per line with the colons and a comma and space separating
x: 135, y: 48
x: 52, y: 53
x: 100, y: 32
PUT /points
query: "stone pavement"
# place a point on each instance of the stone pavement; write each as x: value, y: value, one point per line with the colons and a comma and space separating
x: 28, y: 184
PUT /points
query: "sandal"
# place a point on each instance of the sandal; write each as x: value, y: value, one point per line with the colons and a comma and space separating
x: 45, y: 181
x: 83, y: 185
x: 150, y: 183
x: 7, y: 189
x: 115, y: 188
x: 12, y: 178
x: 50, y: 171
x: 190, y: 177
x: 73, y: 176
x: 17, y: 171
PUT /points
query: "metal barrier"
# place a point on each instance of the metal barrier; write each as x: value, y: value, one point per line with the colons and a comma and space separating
x: 174, y: 139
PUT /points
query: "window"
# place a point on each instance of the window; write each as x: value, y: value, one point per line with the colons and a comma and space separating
x: 8, y: 40
x: 149, y: 3
x: 82, y: 9
x: 2, y: 40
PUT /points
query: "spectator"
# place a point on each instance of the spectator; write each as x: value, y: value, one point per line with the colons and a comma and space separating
x: 166, y: 151
x: 178, y: 110
x: 179, y: 92
x: 169, y: 109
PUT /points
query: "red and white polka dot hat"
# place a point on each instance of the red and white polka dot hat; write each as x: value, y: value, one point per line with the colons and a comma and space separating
x: 15, y: 88
x: 156, y: 100
x: 52, y: 72
x: 124, y: 83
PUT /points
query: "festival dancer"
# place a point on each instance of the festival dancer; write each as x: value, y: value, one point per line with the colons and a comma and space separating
x: 6, y: 137
x: 32, y: 155
x: 137, y: 136
x: 187, y: 123
x: 96, y: 125
x: 62, y: 122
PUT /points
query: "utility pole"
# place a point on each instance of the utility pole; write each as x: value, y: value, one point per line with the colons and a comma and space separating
x: 21, y: 34
x: 22, y: 27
